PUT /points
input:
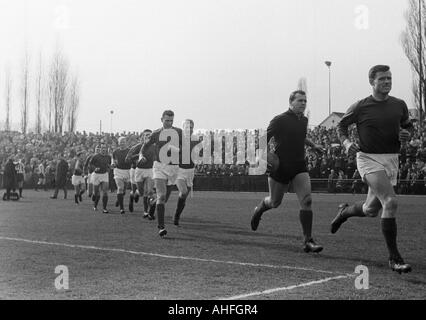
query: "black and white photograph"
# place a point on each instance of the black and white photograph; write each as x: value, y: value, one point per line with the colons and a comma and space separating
x: 212, y: 155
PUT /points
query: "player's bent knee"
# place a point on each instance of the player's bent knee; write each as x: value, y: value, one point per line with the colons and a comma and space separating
x: 307, y: 202
x: 390, y: 204
x: 371, y: 212
x: 161, y: 199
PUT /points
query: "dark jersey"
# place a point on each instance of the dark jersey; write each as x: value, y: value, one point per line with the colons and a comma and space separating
x: 378, y: 124
x: 79, y: 168
x: 155, y: 141
x: 289, y: 133
x: 119, y: 156
x: 102, y: 162
x: 88, y: 168
x: 134, y: 155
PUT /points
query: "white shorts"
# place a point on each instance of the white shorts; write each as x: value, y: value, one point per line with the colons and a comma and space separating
x: 369, y: 163
x: 77, y: 180
x: 91, y: 178
x: 98, y: 178
x: 165, y: 171
x: 132, y: 175
x: 142, y: 174
x: 122, y: 174
x: 186, y: 175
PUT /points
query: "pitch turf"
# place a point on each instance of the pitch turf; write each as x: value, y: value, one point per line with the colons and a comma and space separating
x: 213, y: 255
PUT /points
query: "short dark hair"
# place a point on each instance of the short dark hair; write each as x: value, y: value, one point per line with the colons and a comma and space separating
x: 294, y: 93
x: 378, y: 68
x: 169, y: 113
x: 147, y: 130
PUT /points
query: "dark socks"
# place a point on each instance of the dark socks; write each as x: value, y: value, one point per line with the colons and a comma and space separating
x: 20, y: 192
x: 306, y: 217
x: 120, y: 199
x: 354, y: 210
x: 160, y: 215
x: 145, y: 204
x: 104, y: 201
x: 97, y: 197
x: 389, y: 229
x: 180, y: 207
x: 152, y: 209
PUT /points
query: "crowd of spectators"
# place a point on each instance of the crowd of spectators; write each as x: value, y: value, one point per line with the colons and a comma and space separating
x: 42, y: 151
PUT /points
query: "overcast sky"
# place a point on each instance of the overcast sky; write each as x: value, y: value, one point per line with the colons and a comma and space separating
x: 222, y: 63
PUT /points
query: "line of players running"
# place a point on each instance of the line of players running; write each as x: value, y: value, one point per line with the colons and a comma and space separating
x: 132, y: 165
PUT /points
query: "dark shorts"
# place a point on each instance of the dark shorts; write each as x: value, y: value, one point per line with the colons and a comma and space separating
x: 288, y: 171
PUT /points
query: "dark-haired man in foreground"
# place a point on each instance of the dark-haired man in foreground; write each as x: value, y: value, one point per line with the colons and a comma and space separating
x: 381, y: 122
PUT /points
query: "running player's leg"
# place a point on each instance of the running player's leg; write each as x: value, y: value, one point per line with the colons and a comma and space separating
x: 382, y: 187
x: 368, y: 208
x: 96, y: 192
x: 82, y: 190
x: 90, y: 186
x: 161, y: 187
x: 77, y: 192
x: 20, y: 187
x: 120, y: 193
x: 302, y: 186
x: 140, y: 190
x: 133, y: 190
x: 183, y: 194
x: 169, y: 192
x: 276, y: 194
x: 150, y: 194
x: 105, y: 188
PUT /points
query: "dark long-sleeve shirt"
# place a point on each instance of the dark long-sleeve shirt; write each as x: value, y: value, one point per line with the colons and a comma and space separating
x: 102, y: 162
x: 378, y: 124
x: 158, y: 143
x: 134, y: 152
x: 289, y: 133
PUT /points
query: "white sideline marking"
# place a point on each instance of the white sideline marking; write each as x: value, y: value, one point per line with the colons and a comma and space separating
x: 270, y: 291
x: 165, y: 256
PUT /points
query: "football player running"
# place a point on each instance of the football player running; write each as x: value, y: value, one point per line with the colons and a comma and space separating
x: 289, y: 131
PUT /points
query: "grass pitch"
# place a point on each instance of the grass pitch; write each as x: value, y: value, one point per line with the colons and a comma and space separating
x: 212, y: 255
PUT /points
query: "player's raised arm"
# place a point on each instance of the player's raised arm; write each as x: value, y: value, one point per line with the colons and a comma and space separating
x: 86, y: 165
x: 133, y: 153
x: 152, y: 140
x: 114, y: 160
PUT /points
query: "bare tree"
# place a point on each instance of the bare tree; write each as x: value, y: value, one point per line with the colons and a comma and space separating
x: 49, y: 109
x: 73, y: 103
x: 414, y: 48
x: 58, y: 83
x: 39, y: 97
x: 7, y: 97
x: 25, y: 93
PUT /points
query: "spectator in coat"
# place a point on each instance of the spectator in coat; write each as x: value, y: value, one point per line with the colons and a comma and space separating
x: 9, y: 178
x: 61, y: 175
